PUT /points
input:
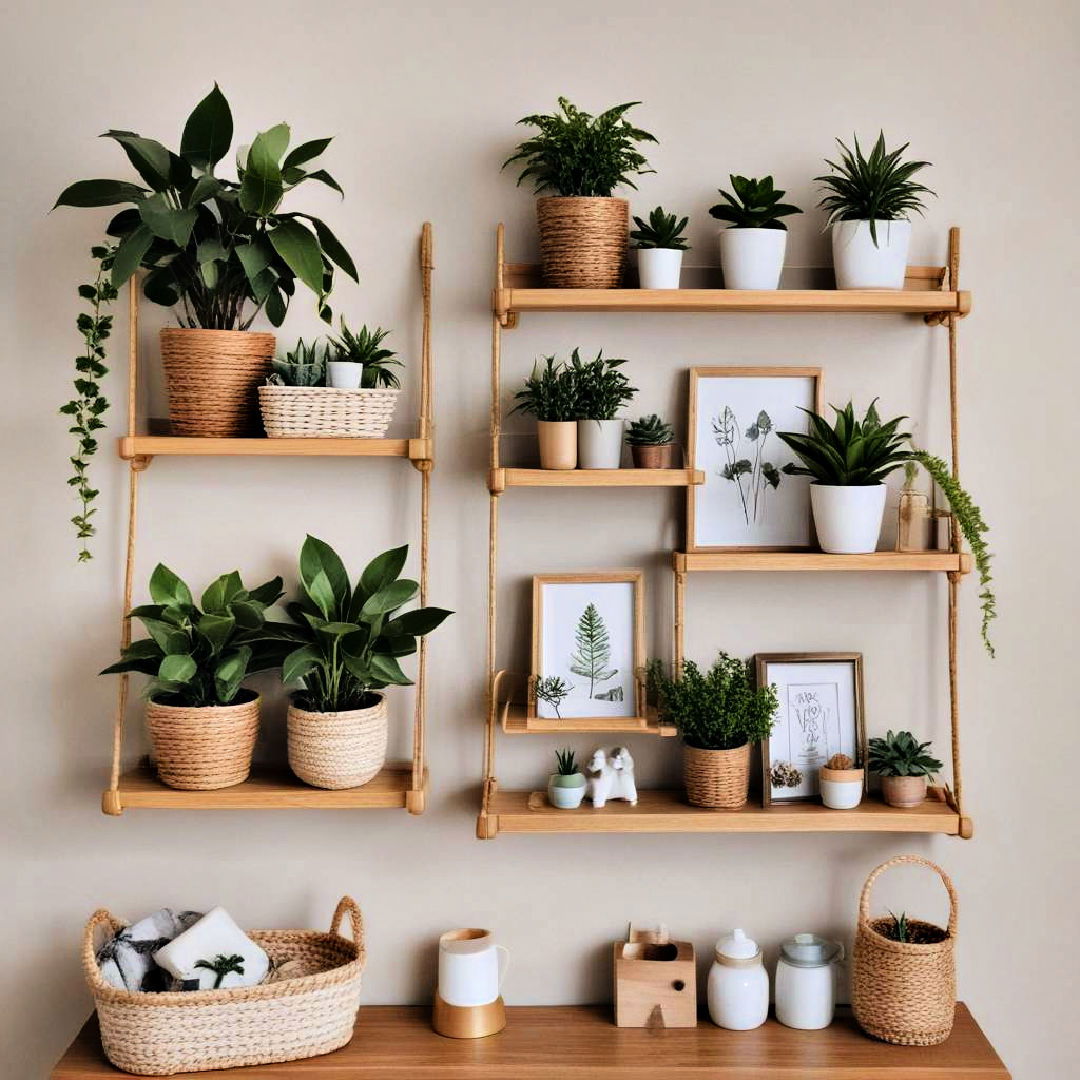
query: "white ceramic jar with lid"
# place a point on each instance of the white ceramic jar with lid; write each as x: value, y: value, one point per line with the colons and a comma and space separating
x: 806, y: 981
x: 738, y: 984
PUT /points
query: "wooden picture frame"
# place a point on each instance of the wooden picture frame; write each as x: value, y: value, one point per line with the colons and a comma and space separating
x: 847, y: 740
x: 696, y: 515
x: 629, y: 645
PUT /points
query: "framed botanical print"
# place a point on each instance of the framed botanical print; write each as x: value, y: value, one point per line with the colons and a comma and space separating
x: 587, y: 645
x: 747, y: 502
x: 819, y: 713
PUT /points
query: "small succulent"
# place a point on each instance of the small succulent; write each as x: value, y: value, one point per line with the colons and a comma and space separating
x: 552, y: 689
x: 303, y: 366
x: 900, y: 928
x: 566, y: 762
x: 755, y: 205
x: 365, y: 347
x: 901, y: 754
x: 661, y: 231
x: 784, y: 775
x: 649, y: 431
x: 839, y: 763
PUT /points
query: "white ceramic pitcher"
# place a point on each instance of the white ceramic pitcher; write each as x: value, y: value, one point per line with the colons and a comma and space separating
x: 471, y: 967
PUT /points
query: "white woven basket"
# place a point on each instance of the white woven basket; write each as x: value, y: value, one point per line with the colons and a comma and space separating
x: 325, y: 412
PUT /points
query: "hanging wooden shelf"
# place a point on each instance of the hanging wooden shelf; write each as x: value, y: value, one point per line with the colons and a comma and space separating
x: 134, y: 447
x: 781, y: 561
x: 500, y: 479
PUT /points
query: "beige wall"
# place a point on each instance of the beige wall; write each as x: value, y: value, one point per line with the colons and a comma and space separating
x: 423, y: 99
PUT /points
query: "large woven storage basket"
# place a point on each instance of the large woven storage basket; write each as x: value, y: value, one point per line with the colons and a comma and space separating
x: 904, y: 992
x: 309, y: 1010
x: 717, y: 779
x: 326, y: 412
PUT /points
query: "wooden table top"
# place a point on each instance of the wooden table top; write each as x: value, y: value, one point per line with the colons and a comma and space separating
x: 394, y: 1042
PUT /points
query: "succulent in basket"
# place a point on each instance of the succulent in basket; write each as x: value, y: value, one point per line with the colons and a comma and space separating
x: 660, y: 245
x: 304, y: 366
x: 550, y: 394
x: 364, y: 347
x: 652, y: 442
x: 904, y: 765
x: 566, y: 786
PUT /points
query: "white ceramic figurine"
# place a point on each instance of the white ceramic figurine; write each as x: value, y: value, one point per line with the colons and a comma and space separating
x: 611, y: 777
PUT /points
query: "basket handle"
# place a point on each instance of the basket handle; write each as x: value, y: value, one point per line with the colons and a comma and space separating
x: 356, y: 920
x: 918, y: 860
x: 100, y: 918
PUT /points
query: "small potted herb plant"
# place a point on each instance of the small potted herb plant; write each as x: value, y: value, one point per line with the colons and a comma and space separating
x: 550, y: 394
x: 719, y: 714
x: 904, y: 766
x: 358, y: 359
x: 602, y: 390
x: 651, y: 442
x: 841, y: 783
x: 566, y: 786
x: 660, y: 245
x: 752, y: 247
x: 578, y: 160
x: 869, y: 199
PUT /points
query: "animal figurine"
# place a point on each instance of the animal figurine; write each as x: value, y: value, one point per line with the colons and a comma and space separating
x: 611, y: 777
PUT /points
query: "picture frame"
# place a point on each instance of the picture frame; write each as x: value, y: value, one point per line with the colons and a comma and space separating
x: 820, y: 712
x: 746, y: 502
x: 588, y: 628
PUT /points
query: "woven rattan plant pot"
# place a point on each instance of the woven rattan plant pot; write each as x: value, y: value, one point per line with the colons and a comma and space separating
x: 583, y: 241
x: 325, y: 412
x: 717, y: 779
x: 337, y: 750
x: 204, y: 749
x: 308, y: 1007
x: 904, y: 992
x: 212, y: 377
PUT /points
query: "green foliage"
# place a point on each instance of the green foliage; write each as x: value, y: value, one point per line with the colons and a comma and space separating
x: 89, y: 402
x: 552, y: 689
x: 849, y: 453
x: 874, y: 188
x: 901, y: 755
x: 566, y: 762
x: 575, y: 153
x: 973, y: 528
x: 222, y: 965
x: 718, y: 710
x: 365, y: 347
x: 549, y: 393
x: 649, y: 431
x: 303, y: 366
x: 593, y: 649
x: 222, y: 249
x: 199, y: 656
x: 899, y: 931
x: 662, y: 231
x: 347, y: 639
x: 602, y: 389
x: 753, y: 476
x: 755, y: 205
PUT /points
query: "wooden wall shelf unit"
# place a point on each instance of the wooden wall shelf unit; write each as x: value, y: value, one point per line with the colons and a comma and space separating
x: 396, y: 786
x: 933, y: 293
x: 396, y: 1042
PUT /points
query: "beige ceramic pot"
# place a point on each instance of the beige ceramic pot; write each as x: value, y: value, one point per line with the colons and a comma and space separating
x: 903, y: 791
x: 718, y: 779
x: 653, y: 457
x: 583, y: 240
x: 558, y: 443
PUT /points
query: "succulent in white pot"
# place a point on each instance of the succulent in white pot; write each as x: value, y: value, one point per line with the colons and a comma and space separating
x: 660, y: 246
x: 601, y: 389
x: 869, y: 200
x: 357, y: 359
x: 566, y: 786
x: 752, y: 247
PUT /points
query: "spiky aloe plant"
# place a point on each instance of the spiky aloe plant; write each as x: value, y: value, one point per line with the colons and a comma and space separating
x: 650, y: 431
x: 302, y: 366
x: 661, y: 231
x: 755, y: 205
x: 364, y: 346
x: 566, y: 762
x: 901, y: 754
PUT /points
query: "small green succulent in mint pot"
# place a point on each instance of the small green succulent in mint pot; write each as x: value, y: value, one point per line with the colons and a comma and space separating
x: 566, y: 786
x: 660, y: 245
x: 652, y: 442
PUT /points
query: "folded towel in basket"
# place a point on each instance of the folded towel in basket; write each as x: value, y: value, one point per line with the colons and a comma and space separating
x: 216, y: 953
x: 127, y: 962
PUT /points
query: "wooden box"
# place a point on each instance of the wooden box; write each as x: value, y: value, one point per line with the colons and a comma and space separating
x: 655, y: 981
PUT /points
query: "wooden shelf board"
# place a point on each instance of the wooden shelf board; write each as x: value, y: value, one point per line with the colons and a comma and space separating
x: 138, y: 446
x: 504, y: 478
x: 666, y: 811
x: 770, y: 561
x: 515, y: 722
x: 268, y: 789
x: 396, y: 1042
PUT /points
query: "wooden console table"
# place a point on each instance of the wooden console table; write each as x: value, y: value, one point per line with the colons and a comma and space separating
x: 395, y: 1042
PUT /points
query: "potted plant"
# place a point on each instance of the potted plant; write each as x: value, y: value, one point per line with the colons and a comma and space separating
x: 904, y: 766
x: 359, y: 360
x: 719, y: 714
x: 346, y: 644
x: 651, y: 442
x: 752, y: 247
x: 841, y: 783
x: 868, y: 202
x: 581, y: 159
x: 660, y: 246
x: 202, y: 722
x: 550, y: 394
x: 602, y: 389
x: 566, y: 786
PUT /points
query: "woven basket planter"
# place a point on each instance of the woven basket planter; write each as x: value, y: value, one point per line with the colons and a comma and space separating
x: 307, y: 1008
x: 203, y: 749
x: 583, y: 241
x: 325, y: 412
x: 718, y: 779
x: 904, y: 992
x: 338, y: 750
x: 212, y: 377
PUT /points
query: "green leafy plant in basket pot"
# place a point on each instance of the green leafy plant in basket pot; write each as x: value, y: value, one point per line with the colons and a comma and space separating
x: 719, y: 713
x: 581, y: 159
x: 652, y: 443
x: 202, y: 722
x: 904, y: 765
x: 602, y: 390
x: 347, y: 644
x: 566, y: 785
x: 660, y: 245
x: 550, y: 395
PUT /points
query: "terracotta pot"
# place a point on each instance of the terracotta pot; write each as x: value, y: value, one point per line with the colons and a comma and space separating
x: 903, y: 791
x: 653, y: 457
x: 558, y: 443
x: 718, y: 779
x: 336, y: 750
x: 583, y: 241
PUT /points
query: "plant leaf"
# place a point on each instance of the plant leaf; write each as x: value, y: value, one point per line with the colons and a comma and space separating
x: 167, y: 589
x: 85, y: 193
x: 297, y: 245
x: 208, y: 132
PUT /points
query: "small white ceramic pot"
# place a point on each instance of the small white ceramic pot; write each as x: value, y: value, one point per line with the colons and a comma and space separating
x: 566, y: 792
x: 344, y: 374
x: 860, y: 264
x: 903, y: 792
x: 841, y: 789
x: 599, y: 444
x: 848, y: 519
x: 752, y: 258
x: 659, y: 268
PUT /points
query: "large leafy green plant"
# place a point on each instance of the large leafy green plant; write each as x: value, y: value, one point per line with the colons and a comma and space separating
x: 755, y: 205
x: 550, y: 393
x: 602, y: 389
x: 350, y: 637
x: 576, y: 153
x: 199, y: 655
x: 901, y: 754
